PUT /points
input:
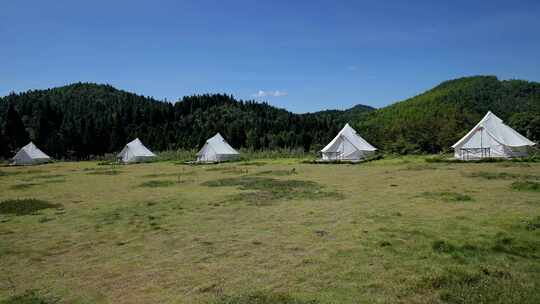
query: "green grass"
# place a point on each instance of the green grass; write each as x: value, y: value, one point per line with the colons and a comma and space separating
x: 501, y: 175
x: 158, y: 183
x: 30, y: 297
x: 447, y: 196
x: 526, y: 186
x: 261, y: 297
x: 394, y: 230
x: 24, y: 206
x: 268, y: 189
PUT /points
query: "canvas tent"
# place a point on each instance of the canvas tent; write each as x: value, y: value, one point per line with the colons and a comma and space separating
x: 135, y: 152
x: 347, y: 146
x: 491, y: 138
x: 30, y: 155
x: 216, y: 149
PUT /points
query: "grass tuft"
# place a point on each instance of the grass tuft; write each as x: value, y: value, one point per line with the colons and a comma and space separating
x: 269, y: 189
x: 158, y: 183
x: 447, y: 196
x: 526, y: 186
x: 262, y: 297
x: 25, y: 206
x: 293, y: 171
x: 30, y: 297
x: 533, y: 224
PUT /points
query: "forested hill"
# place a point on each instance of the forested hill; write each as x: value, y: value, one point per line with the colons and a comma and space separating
x: 85, y: 119
x: 436, y: 119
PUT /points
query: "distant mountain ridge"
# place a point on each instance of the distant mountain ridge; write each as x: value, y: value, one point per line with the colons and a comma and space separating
x: 84, y: 119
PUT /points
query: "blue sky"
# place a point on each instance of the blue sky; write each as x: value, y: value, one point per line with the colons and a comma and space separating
x: 299, y: 55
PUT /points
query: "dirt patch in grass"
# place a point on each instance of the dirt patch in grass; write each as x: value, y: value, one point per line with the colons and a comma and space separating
x: 262, y: 297
x: 30, y: 297
x: 447, y: 196
x: 25, y: 206
x: 526, y: 186
x: 266, y: 190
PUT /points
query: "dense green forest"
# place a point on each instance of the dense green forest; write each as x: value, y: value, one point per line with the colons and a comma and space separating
x: 84, y: 119
x: 433, y: 121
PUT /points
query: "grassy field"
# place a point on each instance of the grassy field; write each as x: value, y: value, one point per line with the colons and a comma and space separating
x: 397, y: 230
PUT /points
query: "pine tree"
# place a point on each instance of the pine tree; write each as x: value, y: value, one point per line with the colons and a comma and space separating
x: 16, y: 135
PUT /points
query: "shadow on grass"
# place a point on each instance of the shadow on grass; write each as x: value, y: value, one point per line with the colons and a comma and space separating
x: 447, y: 196
x: 500, y: 175
x: 266, y: 190
x: 25, y: 206
x: 278, y: 172
x: 526, y: 186
x: 262, y: 297
x: 158, y: 183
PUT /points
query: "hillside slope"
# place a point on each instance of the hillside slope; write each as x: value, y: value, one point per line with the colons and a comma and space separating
x: 433, y: 121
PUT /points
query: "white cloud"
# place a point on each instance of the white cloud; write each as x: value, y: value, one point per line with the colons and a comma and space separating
x: 276, y: 93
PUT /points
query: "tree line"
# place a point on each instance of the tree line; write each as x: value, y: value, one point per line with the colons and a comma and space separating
x: 82, y: 120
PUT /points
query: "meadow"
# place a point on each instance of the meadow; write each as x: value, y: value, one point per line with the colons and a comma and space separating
x: 395, y: 230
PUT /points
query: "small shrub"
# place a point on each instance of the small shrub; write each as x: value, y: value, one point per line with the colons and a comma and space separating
x: 25, y: 206
x: 526, y: 186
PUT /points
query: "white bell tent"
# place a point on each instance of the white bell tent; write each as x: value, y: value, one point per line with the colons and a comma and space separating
x: 135, y: 152
x: 347, y: 146
x: 30, y: 155
x: 216, y: 149
x: 491, y: 138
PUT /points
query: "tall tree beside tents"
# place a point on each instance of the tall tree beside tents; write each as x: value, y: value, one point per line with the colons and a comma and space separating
x: 15, y: 132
